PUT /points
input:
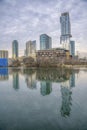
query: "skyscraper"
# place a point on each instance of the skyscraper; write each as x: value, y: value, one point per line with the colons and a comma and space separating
x: 45, y: 42
x: 72, y: 48
x: 65, y: 30
x: 30, y: 48
x: 15, y: 49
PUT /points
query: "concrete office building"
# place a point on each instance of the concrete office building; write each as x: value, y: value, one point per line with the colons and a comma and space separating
x: 65, y: 30
x: 15, y: 49
x: 30, y: 49
x: 45, y: 42
x: 55, y: 53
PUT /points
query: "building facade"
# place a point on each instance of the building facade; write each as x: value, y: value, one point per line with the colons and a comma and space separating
x: 3, y: 58
x: 3, y: 54
x: 65, y: 30
x: 30, y: 49
x: 52, y: 55
x: 15, y: 49
x: 72, y: 48
x: 45, y: 42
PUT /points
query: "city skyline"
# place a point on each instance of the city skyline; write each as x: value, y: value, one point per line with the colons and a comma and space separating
x: 31, y: 18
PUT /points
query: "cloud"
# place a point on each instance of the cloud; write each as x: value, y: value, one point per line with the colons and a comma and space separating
x: 26, y: 20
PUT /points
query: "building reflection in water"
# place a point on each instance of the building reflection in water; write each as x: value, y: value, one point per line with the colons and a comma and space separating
x: 31, y: 80
x: 46, y: 88
x: 46, y: 78
x: 66, y: 92
x: 72, y: 80
x: 4, y: 74
x: 63, y: 76
x: 16, y: 80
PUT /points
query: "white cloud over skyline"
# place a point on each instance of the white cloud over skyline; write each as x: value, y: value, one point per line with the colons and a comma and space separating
x: 26, y: 20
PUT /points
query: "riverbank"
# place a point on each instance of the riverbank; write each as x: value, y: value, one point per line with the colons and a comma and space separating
x: 47, y: 66
x: 50, y: 67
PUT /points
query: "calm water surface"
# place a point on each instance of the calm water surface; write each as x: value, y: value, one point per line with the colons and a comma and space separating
x: 43, y: 99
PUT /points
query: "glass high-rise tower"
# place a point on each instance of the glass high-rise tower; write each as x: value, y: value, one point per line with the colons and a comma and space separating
x: 45, y: 42
x: 65, y: 30
x: 15, y: 49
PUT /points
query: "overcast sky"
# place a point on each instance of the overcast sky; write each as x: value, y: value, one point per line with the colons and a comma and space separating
x: 25, y: 20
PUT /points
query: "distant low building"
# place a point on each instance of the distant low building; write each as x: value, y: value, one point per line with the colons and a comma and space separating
x: 3, y: 54
x: 3, y: 58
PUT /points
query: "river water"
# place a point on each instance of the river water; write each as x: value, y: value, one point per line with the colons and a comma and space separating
x: 43, y: 99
